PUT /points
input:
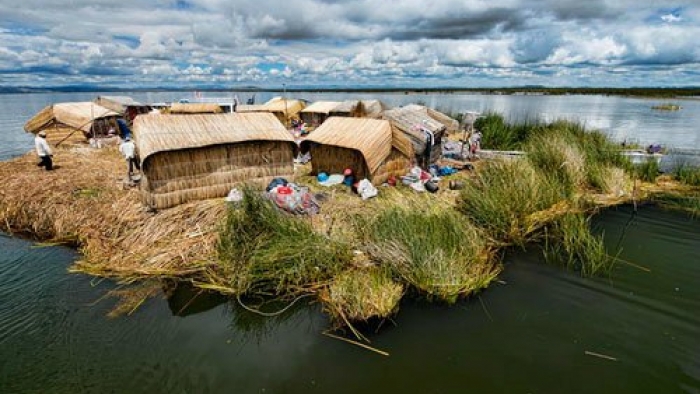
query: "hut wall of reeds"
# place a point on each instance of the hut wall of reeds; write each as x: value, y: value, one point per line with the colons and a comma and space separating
x: 416, y: 125
x: 196, y: 157
x: 372, y: 148
x: 195, y: 108
x: 72, y: 122
x: 317, y: 112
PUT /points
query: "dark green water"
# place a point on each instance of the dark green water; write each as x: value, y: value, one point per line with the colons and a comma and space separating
x: 527, y: 335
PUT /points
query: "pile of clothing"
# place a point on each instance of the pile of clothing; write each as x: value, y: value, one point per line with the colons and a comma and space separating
x: 291, y: 197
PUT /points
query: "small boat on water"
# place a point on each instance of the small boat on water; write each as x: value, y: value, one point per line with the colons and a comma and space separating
x: 636, y: 156
x: 639, y: 156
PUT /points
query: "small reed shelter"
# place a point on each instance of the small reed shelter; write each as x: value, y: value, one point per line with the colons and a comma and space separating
x: 196, y: 157
x: 72, y: 122
x: 318, y: 112
x: 424, y: 132
x: 195, y: 108
x: 451, y: 125
x: 372, y: 148
x: 284, y: 109
x: 125, y: 106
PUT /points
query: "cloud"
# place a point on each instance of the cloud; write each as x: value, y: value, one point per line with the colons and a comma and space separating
x: 167, y: 42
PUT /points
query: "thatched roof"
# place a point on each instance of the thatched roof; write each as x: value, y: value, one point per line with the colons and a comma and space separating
x: 411, y: 120
x: 250, y: 108
x: 160, y: 133
x: 451, y: 125
x: 195, y: 108
x: 346, y: 107
x: 75, y: 115
x: 374, y: 138
x: 277, y: 104
x: 117, y: 103
x: 373, y: 108
x: 321, y: 107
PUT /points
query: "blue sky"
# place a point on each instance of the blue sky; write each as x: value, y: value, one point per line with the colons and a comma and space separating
x: 465, y: 43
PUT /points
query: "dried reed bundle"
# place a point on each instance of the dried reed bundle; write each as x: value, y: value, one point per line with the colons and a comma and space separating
x: 362, y: 294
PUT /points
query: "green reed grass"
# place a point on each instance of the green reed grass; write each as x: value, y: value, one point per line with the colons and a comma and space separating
x: 362, y: 294
x: 647, y: 171
x: 503, y: 194
x: 438, y: 253
x: 570, y: 243
x: 265, y: 251
x: 687, y: 174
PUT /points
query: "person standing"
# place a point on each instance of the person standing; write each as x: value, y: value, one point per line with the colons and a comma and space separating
x: 128, y: 149
x: 43, y: 150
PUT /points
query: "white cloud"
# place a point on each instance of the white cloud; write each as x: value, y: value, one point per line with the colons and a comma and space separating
x: 325, y: 41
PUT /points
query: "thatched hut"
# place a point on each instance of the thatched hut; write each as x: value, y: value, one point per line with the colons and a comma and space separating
x: 372, y: 148
x: 284, y: 109
x: 195, y: 157
x: 195, y: 108
x: 123, y: 105
x: 318, y: 112
x: 373, y: 108
x: 348, y: 108
x: 424, y: 132
x: 451, y: 125
x: 72, y: 122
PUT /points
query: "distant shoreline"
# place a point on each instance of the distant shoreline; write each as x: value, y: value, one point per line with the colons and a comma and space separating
x: 650, y: 92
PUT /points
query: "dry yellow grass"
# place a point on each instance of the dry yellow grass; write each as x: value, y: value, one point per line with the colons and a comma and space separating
x: 84, y: 202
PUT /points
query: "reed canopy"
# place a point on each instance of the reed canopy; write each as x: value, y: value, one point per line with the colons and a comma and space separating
x: 284, y: 109
x: 372, y: 108
x: 317, y: 112
x: 123, y: 105
x: 72, y: 122
x: 424, y: 132
x: 451, y: 125
x: 372, y: 148
x: 195, y: 108
x: 202, y: 156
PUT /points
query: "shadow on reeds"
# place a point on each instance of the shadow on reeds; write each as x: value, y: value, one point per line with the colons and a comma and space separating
x: 689, y: 203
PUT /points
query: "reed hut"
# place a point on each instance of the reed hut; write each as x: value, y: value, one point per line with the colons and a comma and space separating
x: 372, y: 148
x: 201, y: 156
x: 451, y: 125
x: 125, y: 106
x: 318, y: 112
x: 349, y: 109
x: 424, y: 132
x: 284, y: 109
x: 195, y: 108
x: 72, y: 122
x: 372, y: 108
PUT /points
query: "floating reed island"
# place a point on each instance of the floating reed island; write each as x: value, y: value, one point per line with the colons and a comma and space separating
x: 358, y: 258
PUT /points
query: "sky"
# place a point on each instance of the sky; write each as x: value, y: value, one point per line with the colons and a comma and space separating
x: 349, y: 43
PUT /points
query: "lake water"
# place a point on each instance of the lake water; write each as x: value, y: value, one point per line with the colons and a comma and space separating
x: 542, y: 330
x: 530, y: 334
x: 623, y: 118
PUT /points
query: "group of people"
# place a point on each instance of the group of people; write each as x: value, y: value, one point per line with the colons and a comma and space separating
x: 45, y: 153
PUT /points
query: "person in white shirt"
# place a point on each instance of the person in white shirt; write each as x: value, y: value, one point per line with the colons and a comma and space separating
x: 43, y: 150
x: 128, y: 149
